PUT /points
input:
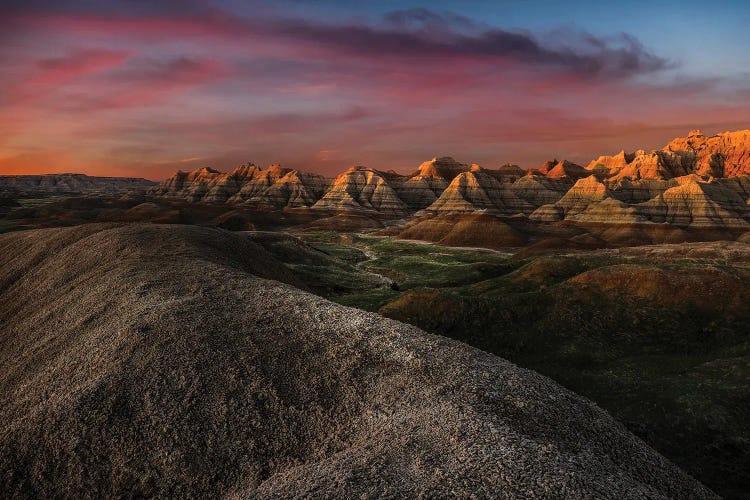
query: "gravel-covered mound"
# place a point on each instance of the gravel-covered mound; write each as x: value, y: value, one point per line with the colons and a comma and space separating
x: 157, y: 360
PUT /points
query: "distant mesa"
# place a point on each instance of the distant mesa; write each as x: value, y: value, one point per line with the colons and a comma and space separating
x: 66, y: 184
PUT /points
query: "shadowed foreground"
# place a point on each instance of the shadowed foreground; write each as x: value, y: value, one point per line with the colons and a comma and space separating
x: 177, y: 360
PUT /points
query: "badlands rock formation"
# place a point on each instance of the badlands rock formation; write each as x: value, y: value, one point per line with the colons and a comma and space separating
x: 480, y: 190
x: 191, y: 186
x: 693, y: 182
x: 687, y: 201
x: 612, y: 162
x: 539, y: 190
x: 722, y: 155
x: 295, y: 189
x: 273, y: 188
x: 677, y: 185
x: 695, y: 203
x: 423, y: 187
x: 253, y: 181
x: 560, y: 169
x: 642, y: 165
x: 361, y: 188
x: 151, y: 360
x: 30, y: 185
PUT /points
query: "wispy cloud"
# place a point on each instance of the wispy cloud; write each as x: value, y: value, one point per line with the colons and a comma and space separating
x: 145, y: 85
x: 411, y: 33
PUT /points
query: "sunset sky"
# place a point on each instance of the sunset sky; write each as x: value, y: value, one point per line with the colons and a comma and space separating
x: 142, y: 88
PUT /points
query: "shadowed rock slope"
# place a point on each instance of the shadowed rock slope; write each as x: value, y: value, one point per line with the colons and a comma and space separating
x: 157, y: 360
x: 363, y: 189
x: 480, y: 230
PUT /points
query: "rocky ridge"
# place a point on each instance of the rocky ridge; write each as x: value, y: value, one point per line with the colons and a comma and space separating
x: 31, y: 185
x: 274, y: 187
x: 361, y: 188
x: 694, y: 181
x: 480, y: 190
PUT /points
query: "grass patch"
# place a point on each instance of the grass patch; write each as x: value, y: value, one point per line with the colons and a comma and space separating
x: 675, y: 374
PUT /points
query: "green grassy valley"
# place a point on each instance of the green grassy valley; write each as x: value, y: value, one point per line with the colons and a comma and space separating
x: 658, y: 336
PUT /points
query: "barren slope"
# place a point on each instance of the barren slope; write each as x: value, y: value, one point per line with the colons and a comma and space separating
x: 152, y: 360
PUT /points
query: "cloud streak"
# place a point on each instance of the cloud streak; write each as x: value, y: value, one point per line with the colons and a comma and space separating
x: 111, y: 86
x: 59, y: 70
x: 416, y: 33
x: 616, y: 57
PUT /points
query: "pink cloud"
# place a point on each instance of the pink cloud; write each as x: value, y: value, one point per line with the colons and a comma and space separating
x: 389, y: 95
x: 613, y: 56
x: 75, y: 65
x: 156, y: 83
x: 40, y: 78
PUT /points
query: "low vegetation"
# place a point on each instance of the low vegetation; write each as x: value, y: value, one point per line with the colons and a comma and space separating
x: 661, y: 343
x: 659, y: 336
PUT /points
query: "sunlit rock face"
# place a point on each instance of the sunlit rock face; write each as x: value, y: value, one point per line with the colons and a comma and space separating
x: 294, y: 190
x: 657, y: 165
x: 584, y: 193
x: 363, y: 189
x: 258, y: 183
x: 190, y: 186
x: 564, y: 168
x: 687, y: 201
x: 272, y: 188
x: 227, y: 185
x: 693, y: 181
x: 426, y: 185
x: 721, y: 155
x: 478, y: 189
x: 618, y: 161
x: 590, y: 201
x: 641, y: 165
x: 696, y: 203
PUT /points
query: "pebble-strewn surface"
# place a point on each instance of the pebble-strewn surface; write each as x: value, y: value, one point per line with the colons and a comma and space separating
x: 181, y: 361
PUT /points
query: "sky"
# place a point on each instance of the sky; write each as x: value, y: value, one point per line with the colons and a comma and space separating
x: 143, y: 88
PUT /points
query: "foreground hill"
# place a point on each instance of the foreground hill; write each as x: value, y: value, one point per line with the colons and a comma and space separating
x: 657, y: 335
x: 31, y: 185
x: 181, y: 361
